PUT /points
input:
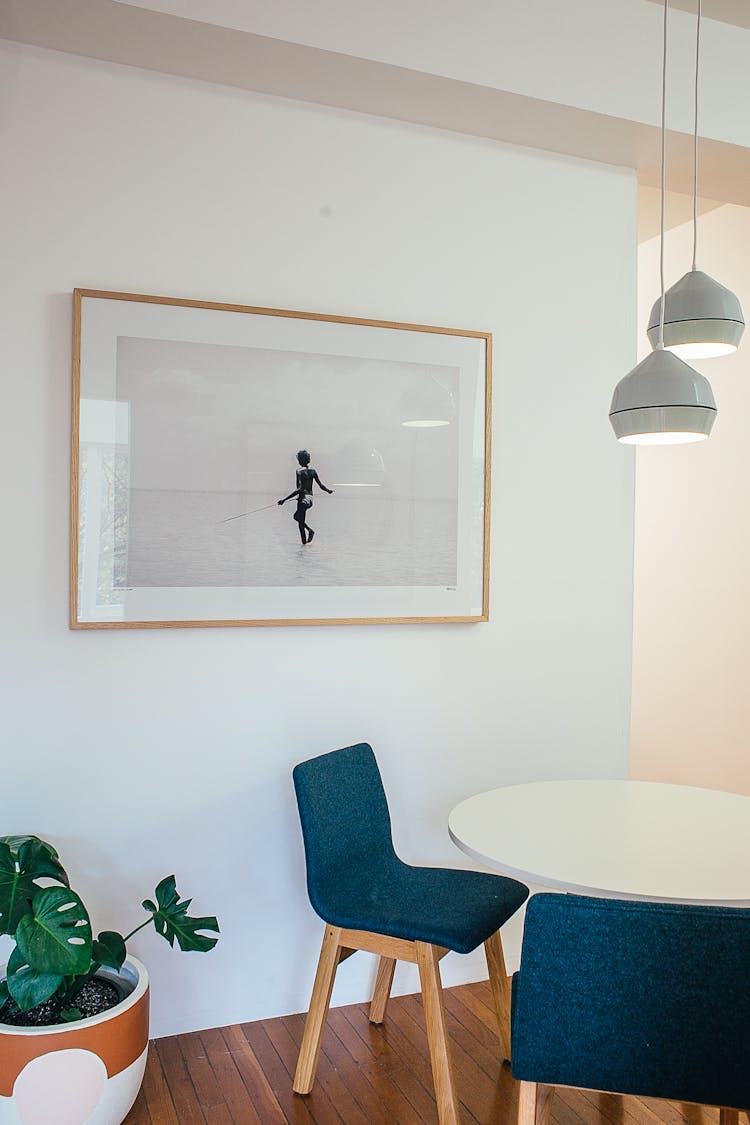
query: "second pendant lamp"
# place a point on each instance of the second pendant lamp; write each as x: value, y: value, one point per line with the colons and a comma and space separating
x: 702, y: 318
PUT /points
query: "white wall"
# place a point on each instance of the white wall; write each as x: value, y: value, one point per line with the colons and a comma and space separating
x: 141, y: 753
x: 691, y: 706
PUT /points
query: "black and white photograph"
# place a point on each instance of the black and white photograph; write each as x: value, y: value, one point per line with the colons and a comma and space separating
x: 257, y: 466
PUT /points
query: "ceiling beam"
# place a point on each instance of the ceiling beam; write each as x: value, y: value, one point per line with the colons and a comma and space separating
x: 136, y: 36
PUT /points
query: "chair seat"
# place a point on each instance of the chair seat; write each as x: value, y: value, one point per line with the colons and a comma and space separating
x: 455, y: 909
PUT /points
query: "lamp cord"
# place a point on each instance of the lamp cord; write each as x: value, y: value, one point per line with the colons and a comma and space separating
x: 695, y: 139
x: 660, y: 342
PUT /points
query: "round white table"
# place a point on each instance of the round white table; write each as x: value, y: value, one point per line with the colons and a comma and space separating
x: 620, y: 839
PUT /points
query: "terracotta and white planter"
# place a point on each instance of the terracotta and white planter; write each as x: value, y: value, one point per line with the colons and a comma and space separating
x: 84, y: 1073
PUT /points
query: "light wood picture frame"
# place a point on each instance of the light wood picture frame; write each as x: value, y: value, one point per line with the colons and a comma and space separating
x: 188, y: 418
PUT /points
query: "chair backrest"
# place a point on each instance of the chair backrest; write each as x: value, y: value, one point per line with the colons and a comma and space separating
x: 636, y: 998
x: 346, y: 825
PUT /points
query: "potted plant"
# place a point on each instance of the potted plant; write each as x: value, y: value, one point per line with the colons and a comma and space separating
x: 73, y: 1007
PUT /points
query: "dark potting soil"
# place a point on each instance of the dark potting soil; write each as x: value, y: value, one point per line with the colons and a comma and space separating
x: 96, y: 996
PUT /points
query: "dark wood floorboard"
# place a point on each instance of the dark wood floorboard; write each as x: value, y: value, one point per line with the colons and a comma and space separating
x: 367, y: 1075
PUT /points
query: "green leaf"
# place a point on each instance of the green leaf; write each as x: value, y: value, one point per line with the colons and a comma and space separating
x: 56, y: 936
x: 166, y: 892
x: 29, y: 987
x: 70, y: 1015
x: 4, y: 994
x: 173, y: 922
x: 109, y: 949
x: 22, y: 860
x: 41, y: 859
x: 38, y: 858
x: 15, y: 961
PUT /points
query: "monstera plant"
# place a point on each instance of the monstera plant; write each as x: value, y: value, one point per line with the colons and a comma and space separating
x: 56, y: 954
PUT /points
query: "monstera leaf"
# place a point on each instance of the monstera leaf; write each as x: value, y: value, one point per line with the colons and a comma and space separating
x: 56, y: 936
x: 109, y: 949
x: 23, y: 859
x: 173, y: 922
x: 27, y: 986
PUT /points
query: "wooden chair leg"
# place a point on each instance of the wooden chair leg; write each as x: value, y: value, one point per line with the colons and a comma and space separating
x: 543, y: 1103
x: 729, y: 1116
x: 437, y: 1033
x: 382, y: 991
x: 527, y: 1103
x: 493, y: 949
x: 309, y: 1052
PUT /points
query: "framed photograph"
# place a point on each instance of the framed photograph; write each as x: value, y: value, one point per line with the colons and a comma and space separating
x: 250, y: 466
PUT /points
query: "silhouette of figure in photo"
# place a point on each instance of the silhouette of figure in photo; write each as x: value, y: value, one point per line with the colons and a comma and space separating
x: 306, y: 476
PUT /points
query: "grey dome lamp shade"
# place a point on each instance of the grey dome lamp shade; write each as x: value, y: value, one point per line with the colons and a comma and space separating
x: 663, y: 401
x: 702, y: 318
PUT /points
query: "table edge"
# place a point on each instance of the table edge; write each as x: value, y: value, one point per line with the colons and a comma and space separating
x: 565, y: 887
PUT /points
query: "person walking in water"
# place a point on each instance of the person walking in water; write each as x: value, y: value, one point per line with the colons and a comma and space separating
x: 305, y: 478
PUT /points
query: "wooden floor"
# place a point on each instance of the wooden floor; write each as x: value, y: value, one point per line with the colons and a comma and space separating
x: 367, y: 1075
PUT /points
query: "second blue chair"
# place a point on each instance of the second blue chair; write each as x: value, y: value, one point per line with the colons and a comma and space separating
x: 371, y: 900
x: 643, y: 998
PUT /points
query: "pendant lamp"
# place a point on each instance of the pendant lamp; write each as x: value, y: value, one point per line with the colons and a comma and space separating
x: 427, y: 403
x: 662, y: 401
x: 702, y: 318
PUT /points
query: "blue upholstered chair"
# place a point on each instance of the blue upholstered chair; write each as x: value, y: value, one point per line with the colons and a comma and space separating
x: 642, y: 998
x: 371, y: 900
